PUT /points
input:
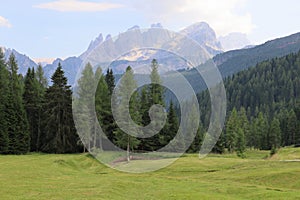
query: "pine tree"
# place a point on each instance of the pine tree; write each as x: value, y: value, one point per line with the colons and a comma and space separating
x: 126, y: 86
x: 102, y: 104
x: 156, y: 90
x: 171, y: 130
x: 85, y: 107
x: 252, y: 140
x: 261, y: 125
x: 275, y: 135
x: 30, y: 98
x: 240, y: 143
x: 173, y: 123
x: 19, y: 135
x: 33, y: 98
x: 291, y: 127
x: 41, y: 86
x: 60, y: 133
x: 108, y: 88
x: 283, y: 118
x: 4, y: 91
x: 244, y: 124
x: 110, y: 81
x: 231, y: 130
x: 190, y: 121
x: 195, y: 146
x: 155, y: 96
x: 220, y: 145
x: 40, y: 76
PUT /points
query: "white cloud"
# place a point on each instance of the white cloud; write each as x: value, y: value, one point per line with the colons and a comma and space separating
x: 4, y: 22
x: 77, y: 6
x: 224, y: 16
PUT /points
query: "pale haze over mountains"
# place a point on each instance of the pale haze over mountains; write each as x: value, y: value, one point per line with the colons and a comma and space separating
x: 234, y: 41
x: 200, y: 32
x: 228, y: 62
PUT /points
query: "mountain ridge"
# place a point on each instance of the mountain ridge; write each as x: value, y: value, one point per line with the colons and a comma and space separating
x: 228, y: 62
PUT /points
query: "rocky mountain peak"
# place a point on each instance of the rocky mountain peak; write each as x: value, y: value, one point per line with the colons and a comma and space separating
x: 205, y: 36
x: 95, y: 42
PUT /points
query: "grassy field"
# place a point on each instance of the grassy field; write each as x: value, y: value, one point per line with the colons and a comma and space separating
x: 40, y: 176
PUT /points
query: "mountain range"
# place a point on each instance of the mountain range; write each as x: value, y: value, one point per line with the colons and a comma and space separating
x: 24, y: 62
x: 229, y: 62
x: 201, y: 32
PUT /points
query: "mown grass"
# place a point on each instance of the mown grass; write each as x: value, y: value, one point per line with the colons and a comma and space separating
x: 41, y: 176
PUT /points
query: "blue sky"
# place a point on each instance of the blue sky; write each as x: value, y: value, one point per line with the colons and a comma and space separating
x: 61, y: 28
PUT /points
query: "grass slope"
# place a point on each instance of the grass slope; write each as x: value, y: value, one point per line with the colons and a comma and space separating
x: 40, y: 176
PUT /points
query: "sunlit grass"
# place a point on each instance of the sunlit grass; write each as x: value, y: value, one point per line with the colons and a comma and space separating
x: 41, y: 176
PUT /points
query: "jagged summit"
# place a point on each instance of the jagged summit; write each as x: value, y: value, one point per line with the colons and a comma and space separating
x: 95, y: 42
x: 205, y: 36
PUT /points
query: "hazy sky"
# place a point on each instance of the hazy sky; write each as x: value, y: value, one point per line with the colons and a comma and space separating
x: 61, y: 28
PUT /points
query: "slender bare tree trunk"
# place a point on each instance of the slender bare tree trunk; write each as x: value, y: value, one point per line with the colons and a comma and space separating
x: 95, y: 136
x: 89, y: 141
x: 128, y: 149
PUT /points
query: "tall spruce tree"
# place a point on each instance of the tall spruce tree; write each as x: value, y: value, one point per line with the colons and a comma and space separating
x: 220, y: 145
x: 30, y: 98
x: 108, y: 119
x: 40, y: 76
x: 127, y: 85
x: 19, y: 136
x: 190, y: 122
x: 4, y: 92
x: 244, y: 123
x: 240, y: 143
x: 102, y: 104
x: 156, y: 89
x: 153, y: 94
x: 195, y: 146
x: 60, y: 134
x: 261, y: 130
x: 33, y: 98
x: 231, y: 130
x: 291, y: 127
x: 110, y: 80
x: 173, y: 123
x: 275, y: 135
x: 41, y: 86
x: 171, y: 129
x: 85, y: 107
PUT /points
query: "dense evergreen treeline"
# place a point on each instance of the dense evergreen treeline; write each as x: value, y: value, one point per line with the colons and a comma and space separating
x: 263, y: 110
x: 140, y: 103
x: 33, y: 116
x: 14, y: 135
x: 36, y: 117
x: 263, y: 105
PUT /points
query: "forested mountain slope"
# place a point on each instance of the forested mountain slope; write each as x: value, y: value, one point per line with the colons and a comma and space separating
x: 267, y: 98
x: 235, y: 61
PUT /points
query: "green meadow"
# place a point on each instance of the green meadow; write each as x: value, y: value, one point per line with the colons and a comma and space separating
x: 79, y: 176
